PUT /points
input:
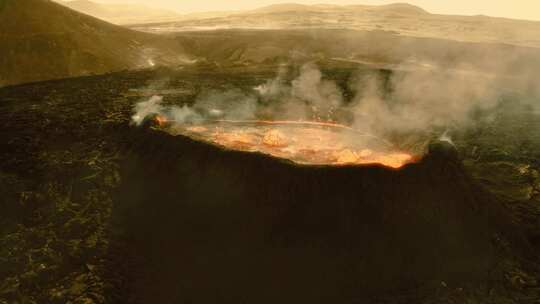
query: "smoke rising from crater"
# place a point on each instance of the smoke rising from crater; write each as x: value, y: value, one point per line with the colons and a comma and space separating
x: 307, y: 97
x: 403, y: 101
x: 154, y: 106
x: 421, y: 100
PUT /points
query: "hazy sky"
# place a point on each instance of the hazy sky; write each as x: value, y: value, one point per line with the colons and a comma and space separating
x: 520, y: 9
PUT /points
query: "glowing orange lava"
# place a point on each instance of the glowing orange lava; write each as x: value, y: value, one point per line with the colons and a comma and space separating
x: 161, y: 120
x: 304, y: 142
x: 275, y: 138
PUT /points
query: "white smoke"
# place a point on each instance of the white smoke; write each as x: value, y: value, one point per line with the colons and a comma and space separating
x: 446, y: 138
x: 274, y: 87
x: 154, y: 106
x: 309, y: 87
x: 147, y: 108
x: 411, y: 101
x: 182, y: 114
x: 423, y: 99
x: 230, y: 104
x: 308, y: 96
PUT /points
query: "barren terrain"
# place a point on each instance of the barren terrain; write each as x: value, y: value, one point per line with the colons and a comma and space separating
x: 93, y: 209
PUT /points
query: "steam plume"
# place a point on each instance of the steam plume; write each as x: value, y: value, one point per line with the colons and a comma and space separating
x: 421, y: 100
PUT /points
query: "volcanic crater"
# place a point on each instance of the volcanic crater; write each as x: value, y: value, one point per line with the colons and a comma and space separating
x: 303, y: 142
x: 218, y: 223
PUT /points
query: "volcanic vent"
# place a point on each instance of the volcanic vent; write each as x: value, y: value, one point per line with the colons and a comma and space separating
x: 304, y: 142
x: 218, y: 225
x: 271, y: 194
x: 314, y: 141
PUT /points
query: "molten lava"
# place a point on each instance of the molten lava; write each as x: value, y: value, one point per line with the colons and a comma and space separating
x: 304, y: 142
x: 275, y: 138
x: 161, y: 120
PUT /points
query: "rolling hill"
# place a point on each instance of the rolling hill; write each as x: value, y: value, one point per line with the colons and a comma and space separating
x: 121, y: 13
x: 377, y: 49
x: 43, y: 40
x: 398, y: 8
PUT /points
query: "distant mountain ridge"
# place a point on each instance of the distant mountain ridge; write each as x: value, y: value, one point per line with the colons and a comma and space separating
x: 393, y: 7
x: 399, y: 18
x: 43, y: 40
x: 120, y: 13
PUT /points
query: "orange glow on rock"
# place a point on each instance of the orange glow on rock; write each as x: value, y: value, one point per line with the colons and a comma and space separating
x: 161, y: 120
x: 304, y: 142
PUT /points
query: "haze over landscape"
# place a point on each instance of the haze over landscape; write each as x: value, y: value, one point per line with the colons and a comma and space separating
x: 79, y: 54
x: 520, y: 9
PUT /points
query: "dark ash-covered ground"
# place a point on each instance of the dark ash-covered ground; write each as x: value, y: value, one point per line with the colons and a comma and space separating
x: 92, y: 208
